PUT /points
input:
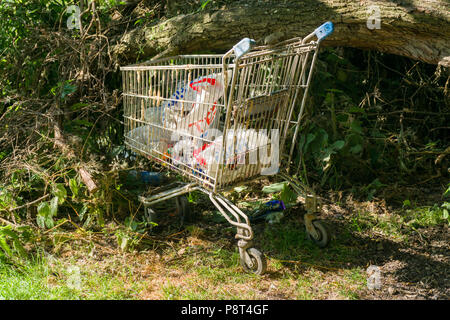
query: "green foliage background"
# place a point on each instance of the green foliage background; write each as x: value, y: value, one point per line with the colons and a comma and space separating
x: 372, y: 120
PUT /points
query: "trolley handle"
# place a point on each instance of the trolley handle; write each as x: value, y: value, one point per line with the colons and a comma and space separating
x: 243, y: 46
x: 321, y: 32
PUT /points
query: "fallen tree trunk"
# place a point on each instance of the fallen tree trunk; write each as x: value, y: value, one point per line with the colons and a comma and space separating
x: 415, y: 29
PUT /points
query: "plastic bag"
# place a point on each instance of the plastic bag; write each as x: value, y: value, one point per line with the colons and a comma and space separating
x: 242, y: 145
x: 193, y: 107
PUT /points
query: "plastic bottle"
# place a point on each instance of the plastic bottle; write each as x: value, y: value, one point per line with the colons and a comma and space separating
x: 151, y: 178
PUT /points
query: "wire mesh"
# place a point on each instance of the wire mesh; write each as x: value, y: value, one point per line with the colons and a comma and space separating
x: 216, y: 119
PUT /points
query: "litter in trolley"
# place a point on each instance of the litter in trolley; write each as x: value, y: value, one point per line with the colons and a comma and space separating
x: 223, y: 119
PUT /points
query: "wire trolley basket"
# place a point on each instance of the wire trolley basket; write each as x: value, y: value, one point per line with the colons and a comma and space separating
x: 222, y: 119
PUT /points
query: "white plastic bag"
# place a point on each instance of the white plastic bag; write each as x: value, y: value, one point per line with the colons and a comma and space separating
x: 194, y: 108
x: 206, y: 158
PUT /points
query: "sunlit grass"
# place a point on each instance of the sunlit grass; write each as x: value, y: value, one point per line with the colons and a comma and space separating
x: 37, y: 280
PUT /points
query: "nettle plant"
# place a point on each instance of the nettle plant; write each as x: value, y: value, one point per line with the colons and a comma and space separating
x: 326, y: 147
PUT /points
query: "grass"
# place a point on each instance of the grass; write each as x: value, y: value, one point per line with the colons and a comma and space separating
x: 191, y: 268
x: 33, y: 281
x: 202, y: 262
x: 398, y: 226
x: 44, y: 280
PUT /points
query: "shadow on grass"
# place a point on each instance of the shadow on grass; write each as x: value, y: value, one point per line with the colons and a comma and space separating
x: 348, y: 249
x: 353, y: 246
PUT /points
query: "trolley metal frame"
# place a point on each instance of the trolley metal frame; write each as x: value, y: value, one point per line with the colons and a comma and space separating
x: 229, y: 109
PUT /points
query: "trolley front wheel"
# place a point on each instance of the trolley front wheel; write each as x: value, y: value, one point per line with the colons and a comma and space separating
x: 256, y: 263
x: 321, y: 237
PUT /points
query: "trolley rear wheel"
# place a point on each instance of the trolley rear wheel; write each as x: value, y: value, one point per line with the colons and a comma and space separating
x: 257, y: 263
x: 322, y: 238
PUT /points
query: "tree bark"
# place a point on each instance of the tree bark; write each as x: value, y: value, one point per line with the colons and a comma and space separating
x: 411, y: 28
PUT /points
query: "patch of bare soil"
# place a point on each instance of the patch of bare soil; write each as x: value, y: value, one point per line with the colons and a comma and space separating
x: 416, y: 267
x: 417, y: 270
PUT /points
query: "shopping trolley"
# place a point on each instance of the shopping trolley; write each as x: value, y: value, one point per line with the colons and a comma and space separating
x: 222, y: 119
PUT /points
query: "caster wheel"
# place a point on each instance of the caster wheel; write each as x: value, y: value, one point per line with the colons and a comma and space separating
x: 322, y: 234
x: 258, y: 262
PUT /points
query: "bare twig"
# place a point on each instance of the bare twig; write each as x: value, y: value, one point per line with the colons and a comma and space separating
x: 27, y: 204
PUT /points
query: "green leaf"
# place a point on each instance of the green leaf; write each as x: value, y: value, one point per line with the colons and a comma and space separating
x: 4, y: 245
x: 321, y: 140
x: 44, y: 217
x: 309, y: 139
x: 342, y: 117
x: 83, y: 211
x: 445, y: 213
x: 49, y: 223
x: 356, y: 149
x: 73, y: 185
x: 338, y: 145
x: 356, y: 126
x: 341, y: 76
x: 288, y: 195
x: 78, y: 106
x: 54, y: 207
x: 60, y: 192
x: 43, y: 209
x: 40, y: 219
x: 276, y: 187
x: 7, y: 231
x: 240, y: 189
x: 68, y: 89
x: 205, y: 3
x: 354, y: 109
x: 447, y: 192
